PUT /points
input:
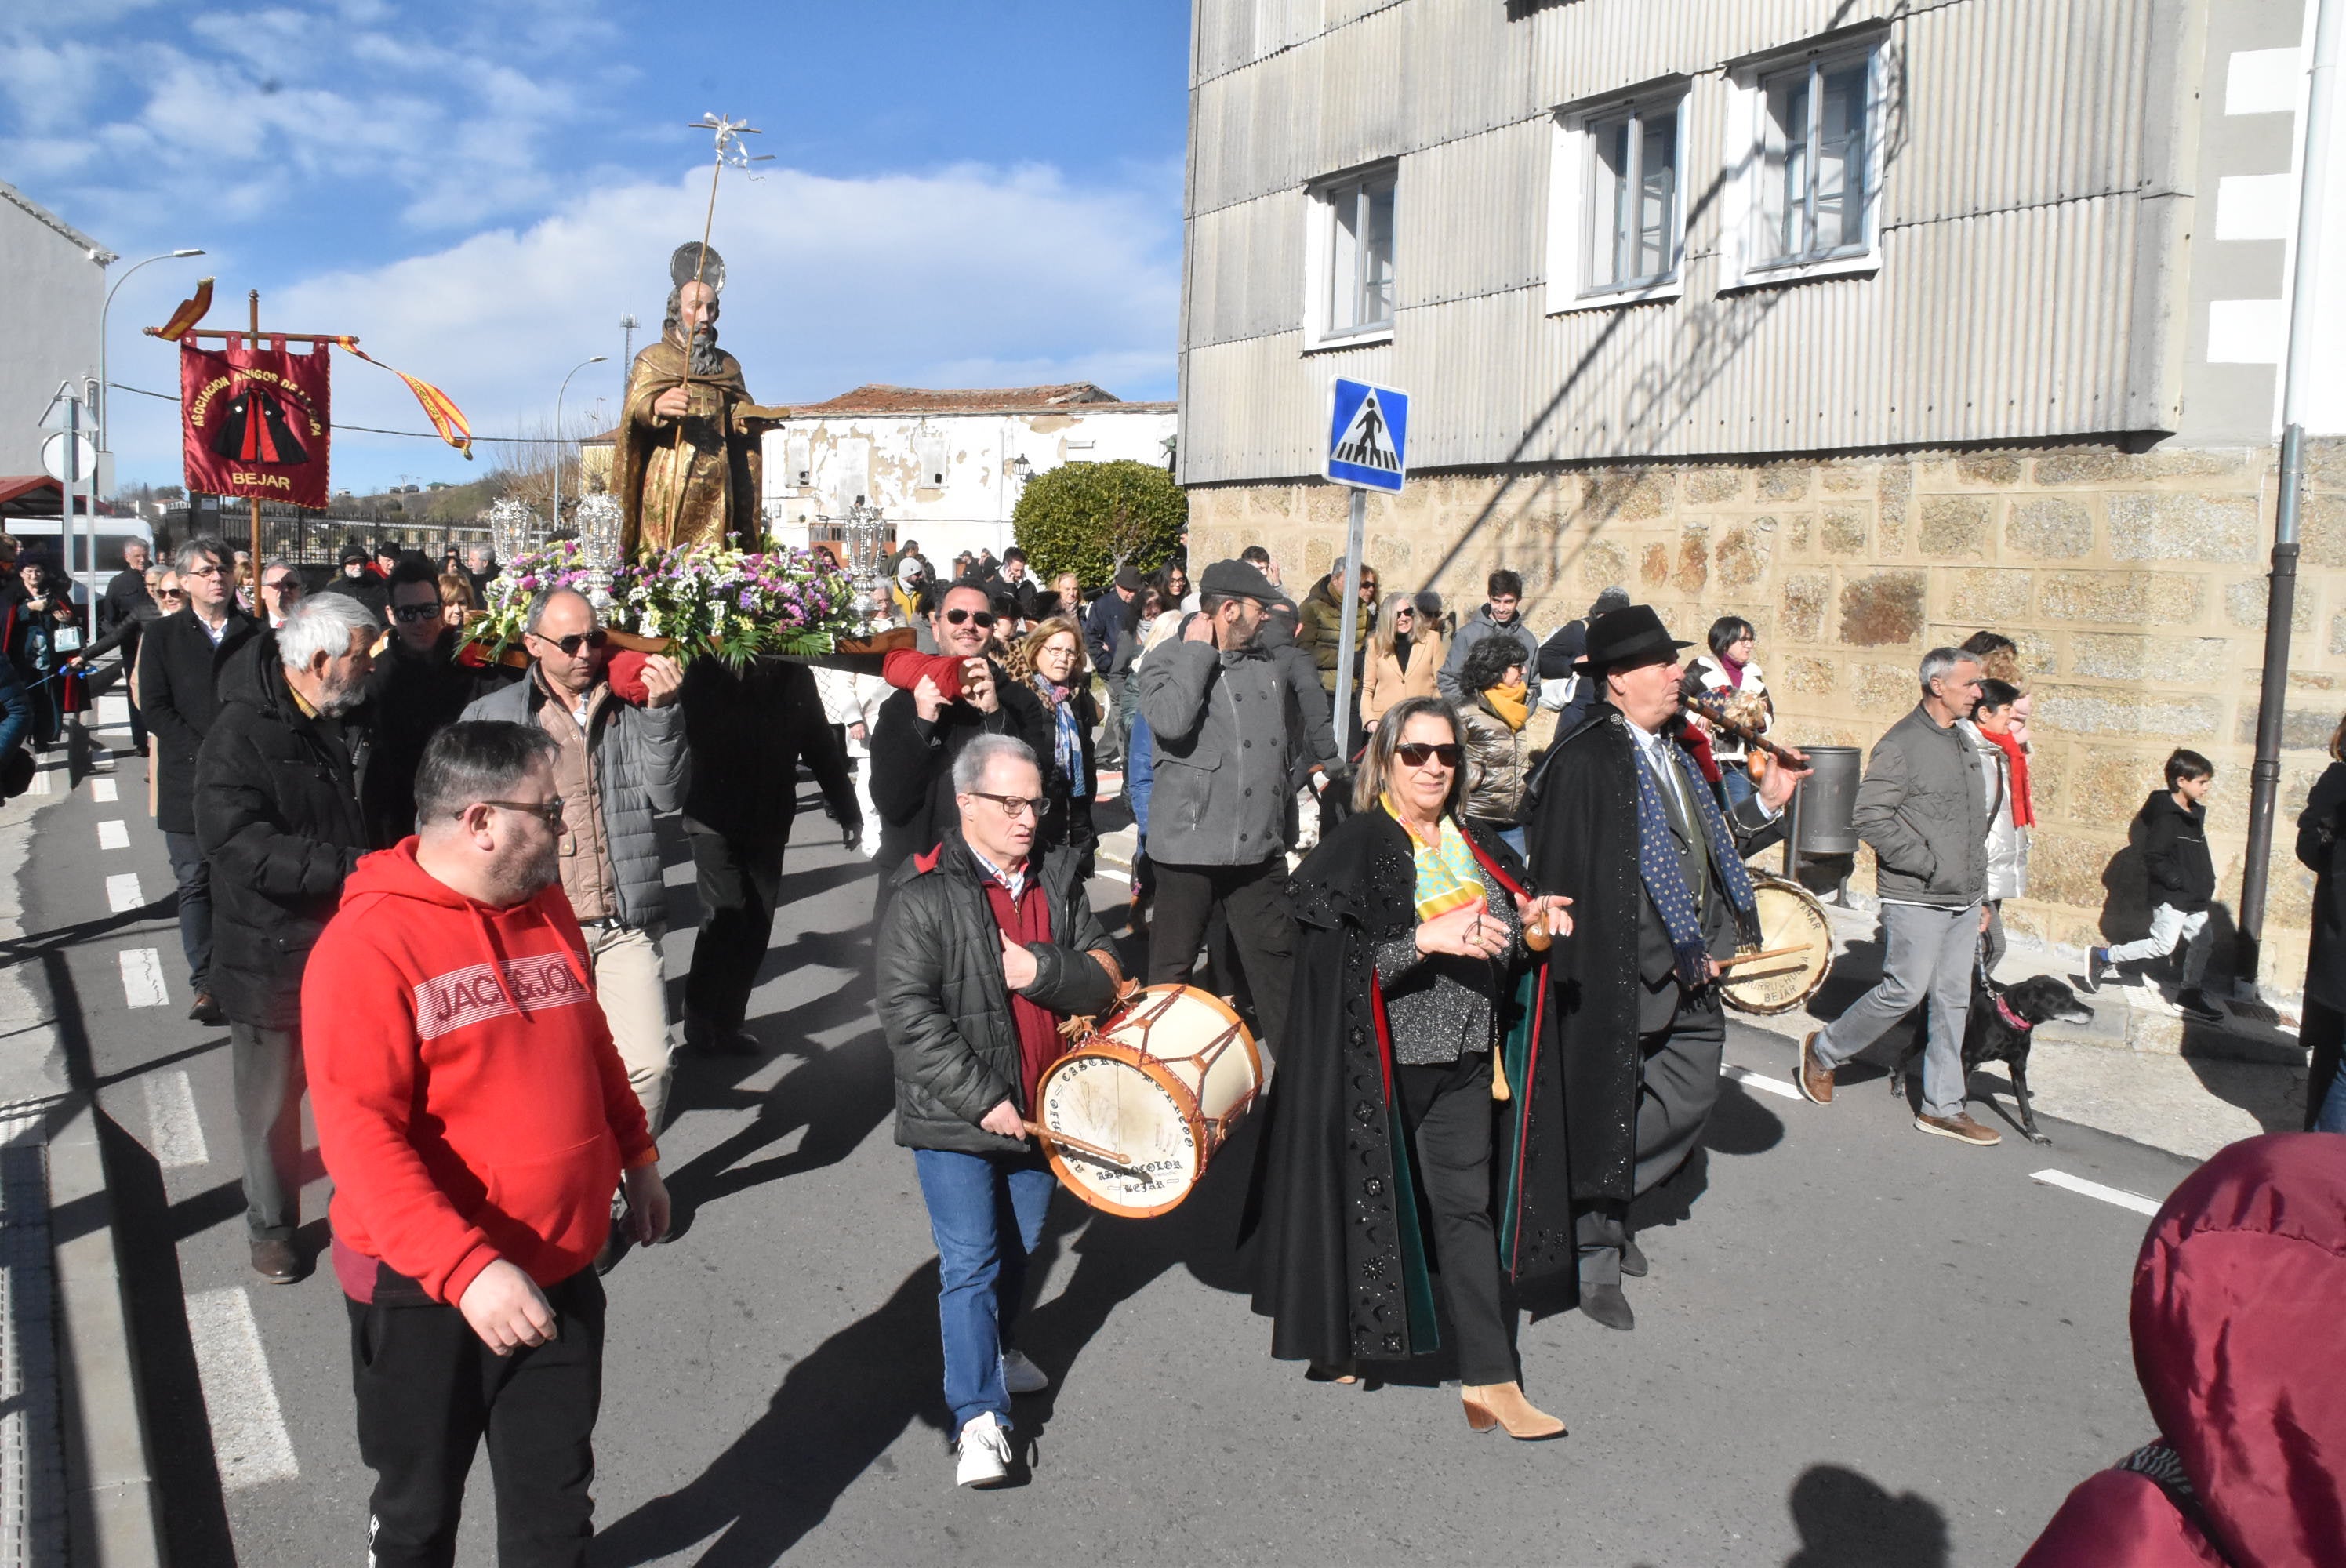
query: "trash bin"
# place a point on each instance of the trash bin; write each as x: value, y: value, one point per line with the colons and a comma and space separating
x: 1827, y: 803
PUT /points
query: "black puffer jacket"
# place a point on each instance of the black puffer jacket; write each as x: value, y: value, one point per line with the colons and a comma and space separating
x: 2175, y: 853
x: 943, y: 1003
x: 277, y: 813
x: 411, y: 698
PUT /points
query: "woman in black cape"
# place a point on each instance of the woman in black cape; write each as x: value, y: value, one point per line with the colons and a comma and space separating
x: 1415, y: 1027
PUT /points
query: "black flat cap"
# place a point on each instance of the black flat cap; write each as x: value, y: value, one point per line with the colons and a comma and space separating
x: 1238, y: 580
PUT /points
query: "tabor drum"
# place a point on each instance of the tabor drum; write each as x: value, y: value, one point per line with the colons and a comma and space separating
x: 1131, y: 1115
x: 1794, y: 955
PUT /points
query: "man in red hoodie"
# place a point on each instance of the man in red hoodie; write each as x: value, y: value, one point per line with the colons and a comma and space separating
x: 474, y: 1117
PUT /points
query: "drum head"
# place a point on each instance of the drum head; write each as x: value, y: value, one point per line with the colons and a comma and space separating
x: 1790, y: 916
x: 1116, y: 1099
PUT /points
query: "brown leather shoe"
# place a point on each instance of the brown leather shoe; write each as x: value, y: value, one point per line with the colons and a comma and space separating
x: 1962, y: 1128
x: 1502, y: 1405
x: 1816, y: 1083
x: 277, y: 1262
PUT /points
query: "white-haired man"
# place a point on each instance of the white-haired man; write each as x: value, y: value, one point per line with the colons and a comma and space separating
x: 277, y: 817
x: 982, y: 950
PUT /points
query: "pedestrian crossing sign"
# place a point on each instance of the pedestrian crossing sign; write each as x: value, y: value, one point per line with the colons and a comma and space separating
x: 1368, y: 434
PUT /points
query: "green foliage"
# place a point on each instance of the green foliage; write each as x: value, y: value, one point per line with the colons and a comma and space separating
x: 1085, y: 517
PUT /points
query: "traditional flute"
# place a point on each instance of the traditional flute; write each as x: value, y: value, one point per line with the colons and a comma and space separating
x: 1712, y: 707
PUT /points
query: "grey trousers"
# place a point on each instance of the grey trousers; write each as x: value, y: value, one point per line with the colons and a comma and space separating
x: 1677, y: 1089
x: 1928, y: 959
x: 269, y: 1081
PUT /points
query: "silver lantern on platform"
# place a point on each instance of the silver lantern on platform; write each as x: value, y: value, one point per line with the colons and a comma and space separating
x: 514, y: 530
x: 863, y: 533
x: 600, y: 518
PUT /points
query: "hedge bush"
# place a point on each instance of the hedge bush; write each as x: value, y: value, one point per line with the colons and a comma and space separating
x: 1083, y: 517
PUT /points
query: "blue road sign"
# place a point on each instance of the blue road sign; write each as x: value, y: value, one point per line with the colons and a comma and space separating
x: 1368, y: 435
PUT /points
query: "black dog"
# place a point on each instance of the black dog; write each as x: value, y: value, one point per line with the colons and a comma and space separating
x: 2001, y: 1022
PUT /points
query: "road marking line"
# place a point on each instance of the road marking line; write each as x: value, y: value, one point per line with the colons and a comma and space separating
x: 1751, y: 1080
x: 113, y: 833
x: 40, y: 784
x: 142, y: 978
x: 123, y: 892
x: 249, y: 1436
x: 104, y: 790
x: 114, y: 711
x: 175, y: 1134
x: 2117, y: 1195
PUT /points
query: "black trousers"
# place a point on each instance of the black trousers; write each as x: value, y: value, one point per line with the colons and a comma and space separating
x: 1447, y: 1111
x: 1254, y: 898
x: 1678, y: 1088
x: 429, y: 1390
x: 2322, y: 1031
x: 739, y: 883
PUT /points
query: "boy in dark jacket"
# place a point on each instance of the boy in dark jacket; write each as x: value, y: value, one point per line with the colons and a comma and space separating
x: 2182, y: 881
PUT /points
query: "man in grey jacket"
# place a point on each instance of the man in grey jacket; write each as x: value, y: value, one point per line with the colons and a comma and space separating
x: 1923, y: 808
x: 617, y: 766
x: 985, y: 950
x: 1217, y: 711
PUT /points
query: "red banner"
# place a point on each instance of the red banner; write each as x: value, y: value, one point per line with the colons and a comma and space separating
x: 256, y: 422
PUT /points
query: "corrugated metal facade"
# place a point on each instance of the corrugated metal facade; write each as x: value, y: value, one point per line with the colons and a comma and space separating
x: 2012, y: 210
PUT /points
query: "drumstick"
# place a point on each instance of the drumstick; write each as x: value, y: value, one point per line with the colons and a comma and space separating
x: 1110, y: 1156
x: 1756, y: 957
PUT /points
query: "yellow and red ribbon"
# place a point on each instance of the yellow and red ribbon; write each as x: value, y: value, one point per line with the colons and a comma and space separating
x: 438, y: 407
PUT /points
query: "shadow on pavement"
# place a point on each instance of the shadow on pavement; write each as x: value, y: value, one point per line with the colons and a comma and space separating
x: 1846, y: 1521
x: 835, y: 1416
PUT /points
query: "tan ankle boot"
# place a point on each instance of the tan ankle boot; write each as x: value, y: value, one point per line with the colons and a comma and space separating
x: 1503, y: 1405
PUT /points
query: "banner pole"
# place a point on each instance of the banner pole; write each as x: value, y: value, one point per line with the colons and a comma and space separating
x: 254, y: 300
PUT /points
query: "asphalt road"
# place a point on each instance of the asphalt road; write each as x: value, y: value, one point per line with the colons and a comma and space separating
x: 1858, y: 1345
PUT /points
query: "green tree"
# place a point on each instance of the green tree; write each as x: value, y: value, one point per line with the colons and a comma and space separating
x: 1089, y: 518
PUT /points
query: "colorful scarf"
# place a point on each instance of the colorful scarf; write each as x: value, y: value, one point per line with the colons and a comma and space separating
x: 1658, y: 863
x: 1448, y: 875
x: 2024, y: 810
x: 1067, y: 737
x: 1512, y: 704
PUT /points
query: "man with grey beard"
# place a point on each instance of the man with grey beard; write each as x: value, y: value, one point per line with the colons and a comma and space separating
x: 688, y: 460
x: 277, y: 816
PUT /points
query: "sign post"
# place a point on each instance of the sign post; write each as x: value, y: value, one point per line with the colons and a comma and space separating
x: 69, y: 457
x: 1368, y: 434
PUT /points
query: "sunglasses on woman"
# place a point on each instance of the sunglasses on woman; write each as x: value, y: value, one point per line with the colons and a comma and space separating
x: 985, y: 618
x: 1416, y: 754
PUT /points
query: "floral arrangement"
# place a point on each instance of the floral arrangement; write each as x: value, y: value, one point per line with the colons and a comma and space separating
x: 730, y: 603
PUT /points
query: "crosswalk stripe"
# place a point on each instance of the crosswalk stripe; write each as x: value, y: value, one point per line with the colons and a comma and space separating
x: 113, y: 711
x: 112, y: 834
x: 123, y: 892
x: 249, y: 1437
x: 142, y: 978
x: 1751, y: 1080
x: 2119, y: 1196
x: 175, y: 1134
x: 104, y: 790
x: 40, y: 784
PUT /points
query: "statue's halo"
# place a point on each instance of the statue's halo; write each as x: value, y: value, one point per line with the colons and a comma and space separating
x: 687, y: 260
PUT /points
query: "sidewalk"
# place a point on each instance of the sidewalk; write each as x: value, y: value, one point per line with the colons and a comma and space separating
x: 2140, y: 1070
x: 74, y: 1478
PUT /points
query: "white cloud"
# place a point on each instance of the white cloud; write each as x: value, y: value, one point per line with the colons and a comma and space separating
x: 961, y: 276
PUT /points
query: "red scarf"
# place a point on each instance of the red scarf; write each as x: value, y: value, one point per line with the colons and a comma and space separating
x: 2024, y: 813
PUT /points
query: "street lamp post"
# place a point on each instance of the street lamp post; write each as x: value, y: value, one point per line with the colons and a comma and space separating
x: 105, y: 411
x: 581, y: 365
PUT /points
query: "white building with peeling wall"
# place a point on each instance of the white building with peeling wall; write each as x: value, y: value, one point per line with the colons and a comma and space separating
x: 945, y: 467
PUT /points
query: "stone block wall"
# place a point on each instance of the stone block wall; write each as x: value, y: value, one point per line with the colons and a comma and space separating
x: 2134, y: 583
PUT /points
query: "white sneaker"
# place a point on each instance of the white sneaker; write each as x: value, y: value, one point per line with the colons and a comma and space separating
x: 1020, y: 1376
x: 985, y: 1453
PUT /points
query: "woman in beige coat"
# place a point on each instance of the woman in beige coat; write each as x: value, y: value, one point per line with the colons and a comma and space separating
x: 1402, y: 658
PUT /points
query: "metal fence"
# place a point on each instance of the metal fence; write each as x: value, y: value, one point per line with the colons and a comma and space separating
x: 315, y: 539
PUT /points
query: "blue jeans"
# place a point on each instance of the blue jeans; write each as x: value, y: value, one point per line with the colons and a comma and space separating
x: 194, y: 875
x: 1514, y: 838
x: 1735, y: 778
x: 973, y: 1199
x: 2333, y: 1108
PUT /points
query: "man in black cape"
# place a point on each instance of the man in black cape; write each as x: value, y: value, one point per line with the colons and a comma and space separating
x: 1620, y: 821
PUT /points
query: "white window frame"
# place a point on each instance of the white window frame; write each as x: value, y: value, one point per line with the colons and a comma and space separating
x: 1320, y: 240
x: 1575, y: 196
x: 1750, y: 255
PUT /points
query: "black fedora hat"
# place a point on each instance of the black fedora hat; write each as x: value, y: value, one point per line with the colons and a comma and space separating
x: 1627, y: 638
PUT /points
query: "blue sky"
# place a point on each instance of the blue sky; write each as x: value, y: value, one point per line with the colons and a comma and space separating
x: 980, y: 193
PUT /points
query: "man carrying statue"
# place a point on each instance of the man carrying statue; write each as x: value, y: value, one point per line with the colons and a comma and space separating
x: 702, y: 489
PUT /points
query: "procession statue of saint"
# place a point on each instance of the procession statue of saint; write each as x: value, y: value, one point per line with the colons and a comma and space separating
x: 688, y: 470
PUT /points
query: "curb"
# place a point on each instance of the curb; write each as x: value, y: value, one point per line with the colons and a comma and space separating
x: 115, y: 1514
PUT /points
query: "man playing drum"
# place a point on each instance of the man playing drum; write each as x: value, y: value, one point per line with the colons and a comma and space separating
x: 983, y: 950
x: 1621, y: 821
